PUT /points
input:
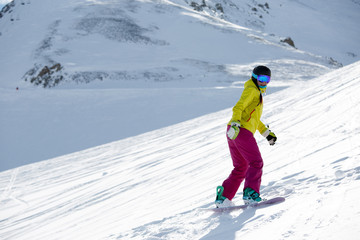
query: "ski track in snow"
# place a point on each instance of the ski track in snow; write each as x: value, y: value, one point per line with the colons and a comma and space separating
x: 151, y: 186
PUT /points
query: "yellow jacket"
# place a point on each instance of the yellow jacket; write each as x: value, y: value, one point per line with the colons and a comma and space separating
x: 249, y: 108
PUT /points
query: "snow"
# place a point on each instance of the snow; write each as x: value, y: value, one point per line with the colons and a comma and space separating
x: 324, y: 32
x: 151, y: 186
x: 162, y: 54
x: 137, y: 154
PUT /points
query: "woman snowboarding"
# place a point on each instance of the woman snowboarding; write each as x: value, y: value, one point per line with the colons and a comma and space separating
x: 244, y: 151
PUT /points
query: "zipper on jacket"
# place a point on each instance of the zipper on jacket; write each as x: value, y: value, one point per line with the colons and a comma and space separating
x: 250, y: 115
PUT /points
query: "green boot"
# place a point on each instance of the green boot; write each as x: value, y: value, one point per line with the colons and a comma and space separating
x: 219, y: 197
x: 250, y: 196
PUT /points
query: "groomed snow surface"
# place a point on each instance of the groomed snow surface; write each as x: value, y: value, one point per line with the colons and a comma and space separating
x: 169, y: 77
x: 151, y: 186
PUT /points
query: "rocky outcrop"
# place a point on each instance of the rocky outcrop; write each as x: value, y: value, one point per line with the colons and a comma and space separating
x: 289, y: 41
x: 45, y: 76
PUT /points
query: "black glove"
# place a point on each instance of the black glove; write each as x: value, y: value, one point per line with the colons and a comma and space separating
x: 270, y: 136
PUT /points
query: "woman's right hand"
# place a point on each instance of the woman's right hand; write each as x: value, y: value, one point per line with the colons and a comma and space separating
x: 234, y: 130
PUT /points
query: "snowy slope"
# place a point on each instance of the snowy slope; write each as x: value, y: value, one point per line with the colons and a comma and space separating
x: 130, y: 44
x: 322, y: 27
x: 128, y: 67
x: 326, y: 28
x: 151, y: 186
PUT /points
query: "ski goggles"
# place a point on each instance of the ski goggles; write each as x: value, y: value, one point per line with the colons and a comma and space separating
x: 261, y: 78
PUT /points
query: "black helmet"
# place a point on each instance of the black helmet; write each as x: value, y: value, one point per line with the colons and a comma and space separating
x: 262, y: 70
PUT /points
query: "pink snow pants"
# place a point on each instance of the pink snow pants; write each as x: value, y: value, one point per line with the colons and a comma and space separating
x: 247, y: 163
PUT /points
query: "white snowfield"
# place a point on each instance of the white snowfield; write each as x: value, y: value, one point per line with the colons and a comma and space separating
x: 163, y: 77
x: 131, y: 67
x: 151, y: 186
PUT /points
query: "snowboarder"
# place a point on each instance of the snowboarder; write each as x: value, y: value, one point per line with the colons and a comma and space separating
x: 244, y: 150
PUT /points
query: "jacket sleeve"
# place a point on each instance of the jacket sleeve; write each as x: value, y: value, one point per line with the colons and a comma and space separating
x: 262, y: 128
x: 246, y: 98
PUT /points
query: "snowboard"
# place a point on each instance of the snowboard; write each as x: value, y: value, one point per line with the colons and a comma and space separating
x: 261, y: 204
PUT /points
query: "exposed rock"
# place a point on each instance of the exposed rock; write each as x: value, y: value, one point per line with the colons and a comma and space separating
x: 219, y: 7
x: 8, y: 8
x: 46, y: 77
x: 289, y: 41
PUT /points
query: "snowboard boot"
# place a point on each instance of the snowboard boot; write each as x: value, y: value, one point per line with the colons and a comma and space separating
x: 250, y: 196
x: 220, y: 200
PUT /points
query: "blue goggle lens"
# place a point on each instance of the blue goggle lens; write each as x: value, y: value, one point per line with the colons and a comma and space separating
x: 262, y: 78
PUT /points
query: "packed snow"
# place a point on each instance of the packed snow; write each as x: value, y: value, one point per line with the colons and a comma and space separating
x: 152, y: 186
x: 133, y: 138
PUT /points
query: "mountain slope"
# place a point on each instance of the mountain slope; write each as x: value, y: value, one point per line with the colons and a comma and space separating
x: 150, y: 186
x: 127, y: 44
x: 118, y: 69
x: 322, y: 27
